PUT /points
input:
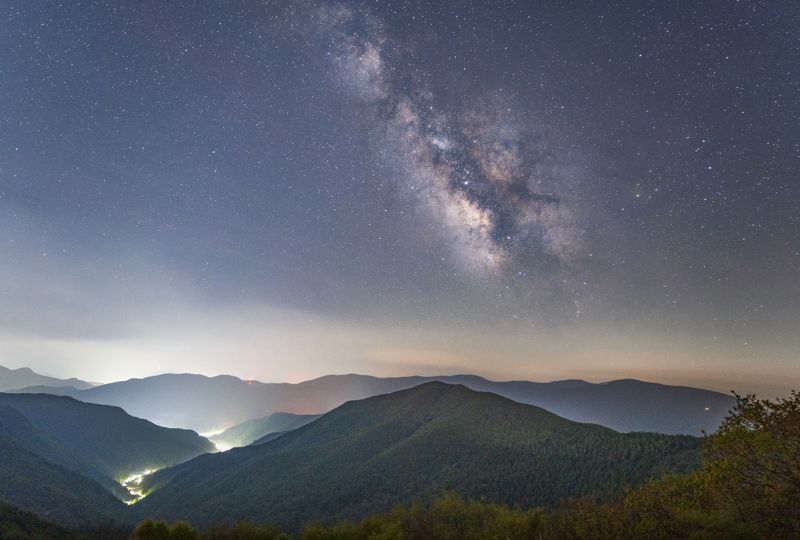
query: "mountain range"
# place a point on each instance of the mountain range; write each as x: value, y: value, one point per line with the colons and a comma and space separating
x: 14, y: 379
x: 369, y: 455
x: 211, y: 404
x: 332, y: 448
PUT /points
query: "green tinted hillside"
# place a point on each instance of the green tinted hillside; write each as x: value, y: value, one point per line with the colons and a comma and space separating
x: 17, y: 524
x: 369, y: 455
x: 31, y: 483
x: 100, y: 441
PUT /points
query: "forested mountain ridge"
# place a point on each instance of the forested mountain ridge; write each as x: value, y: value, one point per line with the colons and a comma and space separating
x: 34, y: 484
x: 111, y: 441
x: 369, y: 455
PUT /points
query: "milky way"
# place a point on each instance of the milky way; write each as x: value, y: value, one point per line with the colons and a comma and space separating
x: 285, y: 189
x: 473, y: 172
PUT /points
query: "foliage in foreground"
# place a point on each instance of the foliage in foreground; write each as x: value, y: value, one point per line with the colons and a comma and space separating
x: 748, y: 487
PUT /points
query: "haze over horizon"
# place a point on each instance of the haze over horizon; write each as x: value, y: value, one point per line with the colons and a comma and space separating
x: 280, y: 191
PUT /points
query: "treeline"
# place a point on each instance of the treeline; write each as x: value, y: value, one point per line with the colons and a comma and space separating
x: 748, y: 487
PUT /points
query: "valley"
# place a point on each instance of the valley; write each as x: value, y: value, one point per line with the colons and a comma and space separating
x: 133, y: 485
x: 414, y: 445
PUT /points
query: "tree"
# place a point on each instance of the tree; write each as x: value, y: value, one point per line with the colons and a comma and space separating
x: 753, y: 462
x: 158, y: 530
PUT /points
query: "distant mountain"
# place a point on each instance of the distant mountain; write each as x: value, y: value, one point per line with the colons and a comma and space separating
x: 13, y: 379
x: 370, y: 455
x: 204, y: 404
x: 101, y: 442
x: 623, y: 405
x: 248, y: 432
x: 40, y: 389
x: 213, y: 403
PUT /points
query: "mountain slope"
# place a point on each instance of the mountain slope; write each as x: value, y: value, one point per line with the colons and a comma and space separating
x: 623, y: 405
x: 12, y: 379
x: 20, y: 525
x: 369, y: 455
x: 210, y: 404
x: 269, y: 437
x: 252, y: 430
x: 102, y: 442
x: 31, y: 483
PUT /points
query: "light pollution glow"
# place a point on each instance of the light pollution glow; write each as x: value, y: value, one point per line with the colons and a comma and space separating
x: 278, y: 345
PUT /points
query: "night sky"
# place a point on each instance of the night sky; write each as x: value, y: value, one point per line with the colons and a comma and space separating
x: 281, y: 190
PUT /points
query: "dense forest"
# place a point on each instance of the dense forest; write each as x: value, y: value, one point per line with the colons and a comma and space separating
x: 368, y: 456
x: 747, y: 488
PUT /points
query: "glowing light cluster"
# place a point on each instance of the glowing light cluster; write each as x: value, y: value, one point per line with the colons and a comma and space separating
x: 133, y: 484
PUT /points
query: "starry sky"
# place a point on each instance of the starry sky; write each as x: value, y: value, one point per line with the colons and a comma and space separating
x: 281, y: 190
